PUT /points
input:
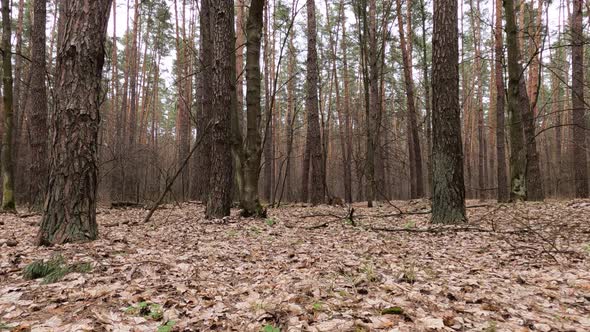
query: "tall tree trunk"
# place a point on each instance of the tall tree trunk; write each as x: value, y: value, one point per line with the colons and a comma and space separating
x: 253, y: 147
x: 415, y: 153
x: 20, y: 91
x: 478, y: 77
x: 346, y: 110
x: 558, y: 111
x: 427, y: 101
x: 374, y: 189
x: 339, y: 104
x: 203, y: 167
x: 578, y: 104
x: 115, y: 112
x: 291, y: 116
x: 533, y: 177
x: 70, y: 207
x: 267, y: 144
x: 237, y: 140
x: 534, y: 180
x: 503, y: 195
x: 368, y: 172
x: 448, y: 201
x: 131, y: 177
x: 536, y: 50
x: 518, y: 190
x: 118, y: 181
x: 182, y: 102
x: 38, y: 106
x: 313, y: 141
x: 219, y: 201
x: 240, y: 46
x: 8, y: 203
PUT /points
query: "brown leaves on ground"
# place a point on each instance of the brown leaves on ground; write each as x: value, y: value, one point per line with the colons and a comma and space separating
x: 517, y: 267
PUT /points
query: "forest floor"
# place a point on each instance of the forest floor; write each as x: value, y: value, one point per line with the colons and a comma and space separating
x: 513, y: 267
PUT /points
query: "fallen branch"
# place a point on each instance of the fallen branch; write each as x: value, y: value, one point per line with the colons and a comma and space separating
x: 119, y: 205
x: 443, y: 229
x: 349, y: 216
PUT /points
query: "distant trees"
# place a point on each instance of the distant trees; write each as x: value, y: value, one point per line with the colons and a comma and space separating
x: 70, y: 211
x: 341, y: 112
x: 448, y: 199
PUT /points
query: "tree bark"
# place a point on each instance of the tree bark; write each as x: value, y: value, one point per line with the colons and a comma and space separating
x: 8, y: 203
x: 38, y: 106
x: 182, y: 101
x: 518, y: 190
x: 427, y: 101
x: 70, y: 207
x: 478, y: 80
x: 203, y: 161
x: 448, y: 201
x: 253, y: 147
x: 374, y: 187
x: 578, y: 104
x: 503, y: 195
x: 219, y: 201
x: 415, y: 153
x: 313, y: 141
x: 268, y: 141
x: 131, y: 177
x: 346, y: 109
x: 240, y: 46
x: 20, y: 92
x: 118, y: 181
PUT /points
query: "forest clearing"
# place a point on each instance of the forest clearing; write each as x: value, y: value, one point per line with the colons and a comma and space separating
x: 523, y: 267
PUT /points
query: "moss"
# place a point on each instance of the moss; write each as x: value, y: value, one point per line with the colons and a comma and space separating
x: 392, y: 311
x: 8, y: 204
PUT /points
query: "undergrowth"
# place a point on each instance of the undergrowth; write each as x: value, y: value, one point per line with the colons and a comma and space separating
x: 54, y: 269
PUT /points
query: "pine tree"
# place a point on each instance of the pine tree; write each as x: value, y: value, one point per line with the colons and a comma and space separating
x: 448, y: 201
x: 38, y: 107
x: 70, y: 208
x: 8, y: 203
x: 220, y: 185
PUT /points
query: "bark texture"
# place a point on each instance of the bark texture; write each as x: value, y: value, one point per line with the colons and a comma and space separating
x: 578, y: 105
x: 8, y: 203
x: 414, y: 149
x: 253, y: 147
x: 38, y: 107
x: 70, y: 207
x: 448, y: 201
x: 518, y: 188
x: 220, y: 185
x: 313, y: 141
x: 203, y: 161
x: 500, y: 103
